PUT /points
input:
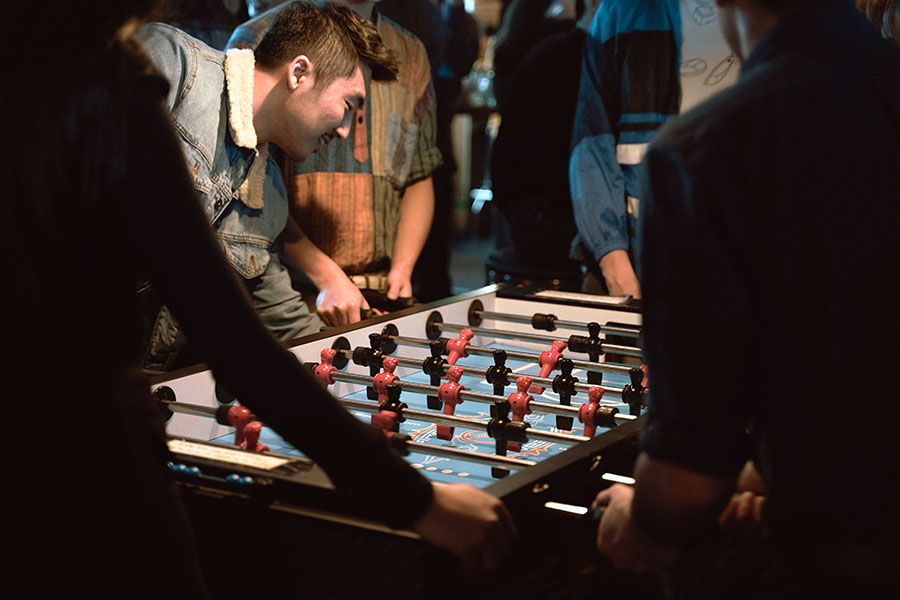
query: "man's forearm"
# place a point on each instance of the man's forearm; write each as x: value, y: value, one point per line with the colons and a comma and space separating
x: 416, y: 214
x: 619, y: 274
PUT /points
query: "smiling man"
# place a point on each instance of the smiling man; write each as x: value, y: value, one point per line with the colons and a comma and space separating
x: 367, y: 201
x: 298, y: 91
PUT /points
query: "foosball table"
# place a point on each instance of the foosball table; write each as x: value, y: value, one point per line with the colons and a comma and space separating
x: 534, y: 396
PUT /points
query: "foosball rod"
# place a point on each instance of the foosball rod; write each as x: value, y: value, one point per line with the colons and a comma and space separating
x: 467, y: 423
x: 554, y: 409
x: 549, y: 322
x: 596, y: 367
x: 462, y: 422
x: 545, y: 382
x: 372, y: 407
x: 534, y: 337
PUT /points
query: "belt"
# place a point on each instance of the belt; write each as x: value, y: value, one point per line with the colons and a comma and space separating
x: 370, y: 281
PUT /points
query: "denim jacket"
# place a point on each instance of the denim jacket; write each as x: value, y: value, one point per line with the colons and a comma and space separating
x: 239, y: 186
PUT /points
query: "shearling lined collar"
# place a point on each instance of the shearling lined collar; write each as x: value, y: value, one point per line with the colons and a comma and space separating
x: 239, y: 65
x: 239, y: 82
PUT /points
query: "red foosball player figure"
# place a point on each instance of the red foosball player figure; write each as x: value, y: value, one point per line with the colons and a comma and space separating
x: 548, y: 360
x: 238, y: 417
x: 520, y: 404
x: 593, y: 415
x: 448, y: 393
x: 251, y: 435
x: 381, y: 381
x: 457, y: 348
x: 325, y: 368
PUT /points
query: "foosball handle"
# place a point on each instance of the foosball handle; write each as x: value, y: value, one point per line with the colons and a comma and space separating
x: 398, y: 441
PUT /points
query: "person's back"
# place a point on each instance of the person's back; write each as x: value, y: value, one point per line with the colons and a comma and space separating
x: 792, y: 217
x: 72, y: 143
x: 529, y: 158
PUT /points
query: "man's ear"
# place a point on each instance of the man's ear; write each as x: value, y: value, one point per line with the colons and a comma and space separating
x: 299, y: 72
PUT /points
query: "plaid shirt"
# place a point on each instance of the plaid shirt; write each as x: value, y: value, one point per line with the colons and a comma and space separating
x: 346, y: 199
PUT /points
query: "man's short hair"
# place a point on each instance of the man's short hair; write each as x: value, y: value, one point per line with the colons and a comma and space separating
x: 334, y: 38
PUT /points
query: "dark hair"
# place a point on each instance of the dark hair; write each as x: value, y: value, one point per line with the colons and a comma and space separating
x: 334, y: 38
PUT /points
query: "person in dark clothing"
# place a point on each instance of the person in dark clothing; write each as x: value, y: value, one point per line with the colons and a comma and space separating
x: 99, y: 199
x: 534, y: 137
x: 450, y: 36
x: 523, y: 25
x: 773, y: 211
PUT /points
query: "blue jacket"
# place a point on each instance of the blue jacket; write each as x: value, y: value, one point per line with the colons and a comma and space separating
x: 630, y: 85
x: 210, y: 101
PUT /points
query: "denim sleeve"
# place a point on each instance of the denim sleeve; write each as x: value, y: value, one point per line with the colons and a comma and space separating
x: 597, y: 183
x: 629, y: 87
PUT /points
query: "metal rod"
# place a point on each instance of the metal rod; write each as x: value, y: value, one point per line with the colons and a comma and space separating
x: 508, y: 461
x: 534, y: 337
x: 493, y: 459
x: 607, y: 329
x: 545, y: 382
x: 596, y: 367
x: 412, y: 386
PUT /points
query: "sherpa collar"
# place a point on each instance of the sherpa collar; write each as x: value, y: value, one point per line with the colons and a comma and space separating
x: 239, y: 65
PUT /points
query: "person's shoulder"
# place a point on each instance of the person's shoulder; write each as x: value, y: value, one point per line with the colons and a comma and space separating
x: 165, y: 44
x: 409, y: 51
x: 747, y: 108
x: 157, y: 33
x: 620, y: 17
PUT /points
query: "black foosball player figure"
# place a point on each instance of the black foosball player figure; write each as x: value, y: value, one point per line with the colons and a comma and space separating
x: 497, y: 429
x: 390, y: 413
x: 564, y: 386
x: 433, y: 366
x: 498, y: 373
x: 373, y: 358
x: 504, y: 431
x: 591, y: 345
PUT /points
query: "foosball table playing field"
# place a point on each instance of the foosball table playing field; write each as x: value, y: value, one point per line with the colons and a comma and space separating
x: 534, y: 396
